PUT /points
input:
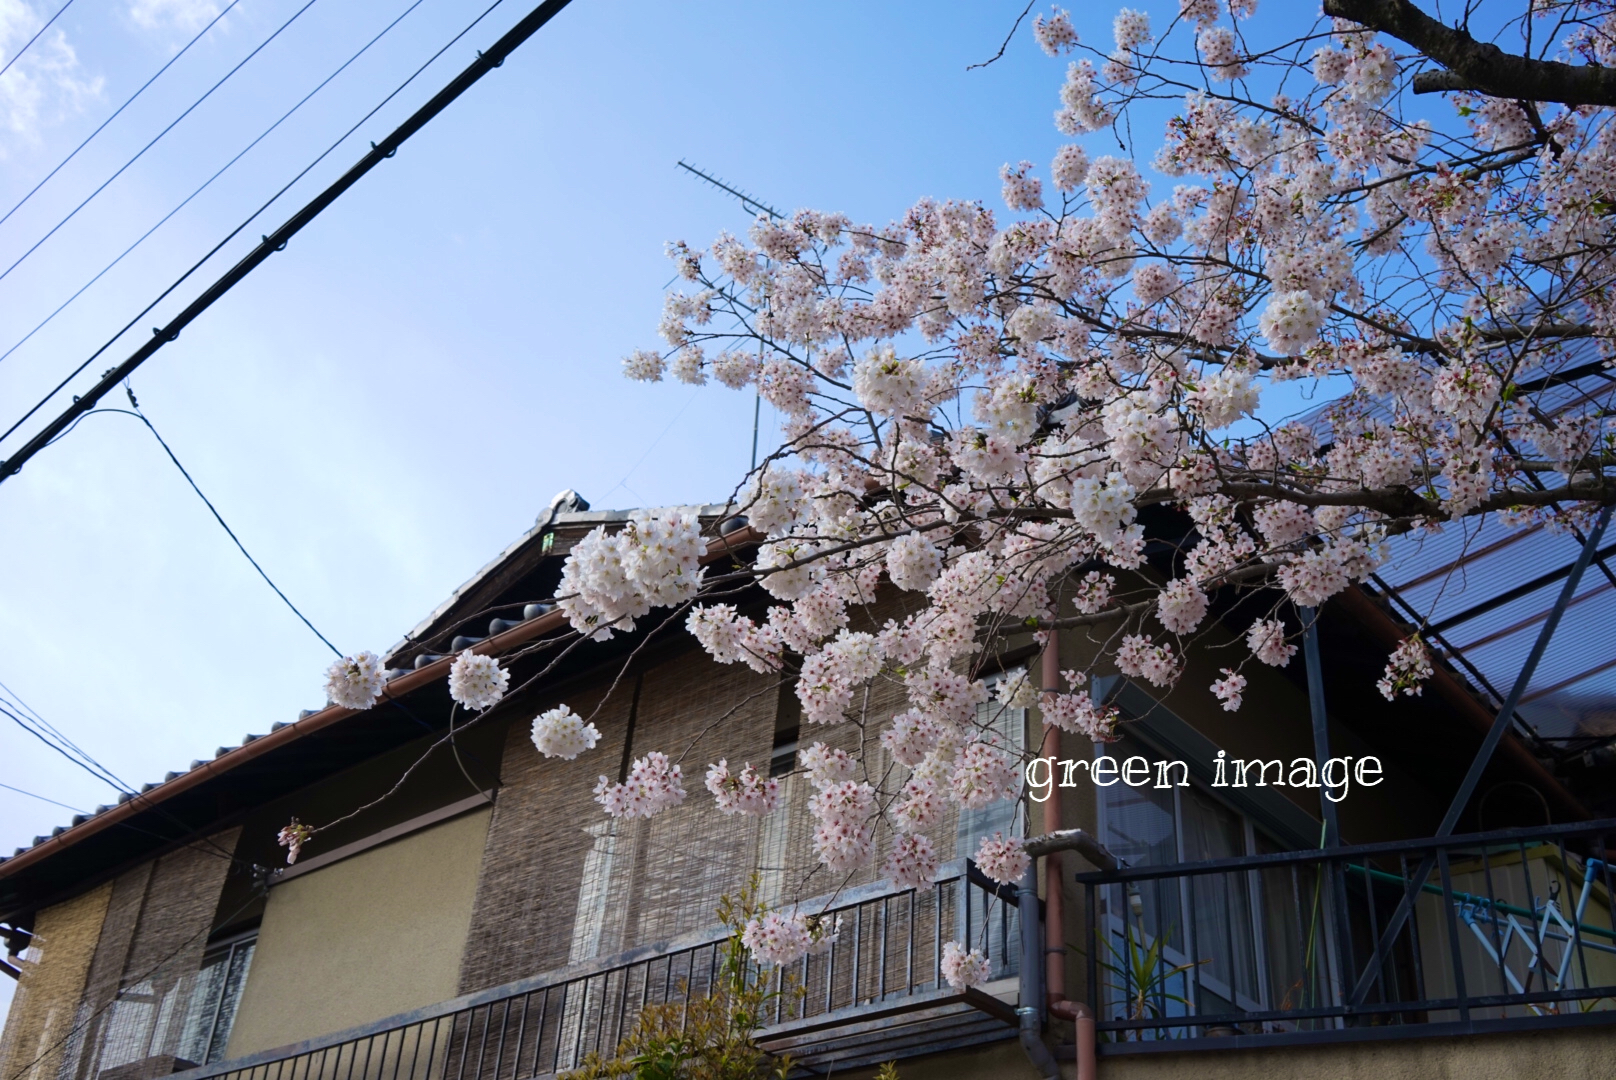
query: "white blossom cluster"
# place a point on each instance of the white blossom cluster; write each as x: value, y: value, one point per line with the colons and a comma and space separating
x: 653, y: 784
x: 912, y: 862
x: 1406, y: 670
x: 1229, y: 689
x: 477, y: 681
x: 1079, y: 714
x: 562, y: 733
x: 1002, y: 860
x: 844, y: 838
x: 743, y: 792
x: 962, y: 968
x: 1266, y: 640
x: 355, y: 682
x: 611, y: 579
x: 779, y: 938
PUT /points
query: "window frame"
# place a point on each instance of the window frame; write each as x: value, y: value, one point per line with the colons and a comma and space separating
x: 1197, y: 982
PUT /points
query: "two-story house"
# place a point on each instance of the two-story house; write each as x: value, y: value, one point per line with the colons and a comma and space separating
x: 467, y: 912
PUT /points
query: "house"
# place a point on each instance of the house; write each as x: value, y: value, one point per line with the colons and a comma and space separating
x: 466, y: 910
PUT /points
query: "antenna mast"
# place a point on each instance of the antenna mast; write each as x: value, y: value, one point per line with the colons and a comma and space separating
x: 747, y: 203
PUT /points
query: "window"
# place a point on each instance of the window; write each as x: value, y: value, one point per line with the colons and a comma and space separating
x: 1237, y: 935
x: 597, y: 926
x: 145, y: 1015
x: 1009, y: 728
x: 215, y: 997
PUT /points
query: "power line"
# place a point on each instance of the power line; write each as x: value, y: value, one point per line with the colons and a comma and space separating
x: 172, y: 124
x: 36, y: 733
x: 107, y: 776
x: 138, y: 415
x: 205, y: 184
x: 15, y: 57
x: 41, y: 798
x: 200, y: 34
x: 62, y: 746
x: 235, y: 232
x: 485, y: 62
x: 55, y: 732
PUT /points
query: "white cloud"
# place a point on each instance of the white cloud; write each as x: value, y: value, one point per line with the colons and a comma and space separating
x: 187, y: 15
x: 46, y: 82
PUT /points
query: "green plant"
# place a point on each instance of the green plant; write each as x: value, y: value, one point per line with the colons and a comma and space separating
x: 1143, y: 971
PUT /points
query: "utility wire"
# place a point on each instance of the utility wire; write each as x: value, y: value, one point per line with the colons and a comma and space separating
x: 48, y: 735
x: 235, y: 232
x: 200, y: 34
x: 42, y: 798
x: 66, y: 749
x: 205, y: 184
x: 15, y: 57
x: 33, y: 715
x: 138, y: 415
x: 107, y: 776
x: 379, y: 152
x: 141, y: 152
x: 36, y: 733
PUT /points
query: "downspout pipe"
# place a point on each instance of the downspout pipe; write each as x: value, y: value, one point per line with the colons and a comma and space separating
x: 1053, y: 951
x: 1029, y: 1010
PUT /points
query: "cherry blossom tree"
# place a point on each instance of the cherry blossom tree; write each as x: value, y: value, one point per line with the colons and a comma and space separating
x: 979, y: 403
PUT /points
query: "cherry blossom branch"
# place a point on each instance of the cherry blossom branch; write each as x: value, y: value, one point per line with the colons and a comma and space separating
x: 1477, y: 66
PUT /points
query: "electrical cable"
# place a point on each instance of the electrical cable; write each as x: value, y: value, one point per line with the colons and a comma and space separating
x: 41, y: 798
x: 63, y: 747
x: 33, y: 715
x: 486, y: 61
x: 138, y: 415
x: 141, y: 152
x: 205, y: 184
x: 234, y: 233
x: 199, y: 35
x: 106, y: 776
x: 26, y: 46
x: 72, y: 753
x: 42, y: 738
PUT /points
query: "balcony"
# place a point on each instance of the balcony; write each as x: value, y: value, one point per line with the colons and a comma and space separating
x: 875, y: 995
x: 1508, y: 930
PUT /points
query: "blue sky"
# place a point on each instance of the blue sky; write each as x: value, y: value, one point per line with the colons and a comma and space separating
x: 383, y: 406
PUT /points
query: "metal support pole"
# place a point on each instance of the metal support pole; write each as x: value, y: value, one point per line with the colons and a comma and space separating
x: 1327, y: 808
x: 1495, y: 735
x: 1321, y: 723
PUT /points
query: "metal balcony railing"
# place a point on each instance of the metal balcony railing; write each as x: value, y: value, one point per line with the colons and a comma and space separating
x: 876, y: 994
x: 1513, y: 929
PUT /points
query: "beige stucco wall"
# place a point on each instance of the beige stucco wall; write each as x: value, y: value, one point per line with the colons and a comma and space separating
x: 1566, y: 1054
x: 53, y: 976
x: 377, y: 934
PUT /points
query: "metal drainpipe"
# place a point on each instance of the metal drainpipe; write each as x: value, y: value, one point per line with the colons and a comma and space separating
x: 1029, y: 1010
x: 1054, y: 947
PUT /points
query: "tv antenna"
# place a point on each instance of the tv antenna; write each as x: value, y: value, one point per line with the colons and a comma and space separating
x: 747, y: 202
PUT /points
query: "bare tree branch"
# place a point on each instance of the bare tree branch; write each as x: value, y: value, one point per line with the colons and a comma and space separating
x: 1007, y: 38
